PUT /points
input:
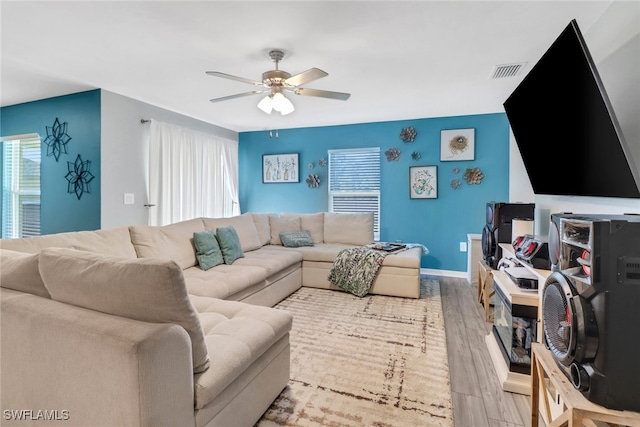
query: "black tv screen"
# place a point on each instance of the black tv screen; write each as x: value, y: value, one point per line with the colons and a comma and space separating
x: 565, y: 128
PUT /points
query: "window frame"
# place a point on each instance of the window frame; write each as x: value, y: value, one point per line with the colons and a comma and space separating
x: 16, y: 194
x: 356, y: 193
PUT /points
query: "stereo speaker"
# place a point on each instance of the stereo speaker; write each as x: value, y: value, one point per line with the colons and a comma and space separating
x: 500, y: 216
x: 591, y: 305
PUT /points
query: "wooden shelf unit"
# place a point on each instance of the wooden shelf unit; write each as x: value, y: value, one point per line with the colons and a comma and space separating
x: 507, y: 250
x: 514, y: 382
x: 560, y: 404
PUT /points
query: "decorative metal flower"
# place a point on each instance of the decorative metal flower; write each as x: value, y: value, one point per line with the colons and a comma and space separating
x: 408, y: 134
x: 311, y: 165
x: 473, y: 176
x: 79, y: 177
x: 455, y: 184
x: 322, y: 162
x: 313, y: 180
x: 57, y: 139
x: 456, y: 171
x: 415, y: 156
x: 392, y: 154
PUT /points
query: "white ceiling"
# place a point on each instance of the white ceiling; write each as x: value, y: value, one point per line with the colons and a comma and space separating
x: 399, y: 60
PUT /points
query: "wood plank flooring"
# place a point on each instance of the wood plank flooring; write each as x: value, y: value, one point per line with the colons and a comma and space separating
x: 478, y: 399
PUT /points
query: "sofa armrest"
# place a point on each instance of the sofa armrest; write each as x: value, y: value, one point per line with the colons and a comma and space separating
x: 91, y: 368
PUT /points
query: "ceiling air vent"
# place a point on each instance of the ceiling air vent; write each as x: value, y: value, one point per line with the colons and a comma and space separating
x: 507, y: 70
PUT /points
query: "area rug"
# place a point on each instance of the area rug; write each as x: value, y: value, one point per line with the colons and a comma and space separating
x: 372, y: 361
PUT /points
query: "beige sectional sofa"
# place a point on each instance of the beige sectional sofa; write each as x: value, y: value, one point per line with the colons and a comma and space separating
x: 122, y: 326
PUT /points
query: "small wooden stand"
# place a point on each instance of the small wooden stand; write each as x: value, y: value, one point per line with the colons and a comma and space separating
x: 576, y: 410
x: 485, y: 289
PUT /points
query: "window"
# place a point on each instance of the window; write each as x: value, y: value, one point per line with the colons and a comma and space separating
x: 20, y: 186
x: 354, y: 182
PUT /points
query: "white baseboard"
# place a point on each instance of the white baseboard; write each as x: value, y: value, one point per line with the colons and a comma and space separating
x: 447, y: 273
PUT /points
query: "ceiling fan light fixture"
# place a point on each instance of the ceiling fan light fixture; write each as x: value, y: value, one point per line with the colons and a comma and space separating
x: 286, y: 107
x: 266, y: 104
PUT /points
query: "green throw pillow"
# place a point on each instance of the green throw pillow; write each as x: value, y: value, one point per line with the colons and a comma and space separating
x: 207, y: 249
x: 229, y: 244
x: 296, y: 239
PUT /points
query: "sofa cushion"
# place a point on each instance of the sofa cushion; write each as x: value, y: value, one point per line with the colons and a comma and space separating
x: 229, y: 244
x: 223, y: 281
x: 237, y: 334
x: 244, y: 225
x: 174, y: 241
x: 312, y: 222
x: 296, y: 239
x: 261, y: 220
x: 109, y: 241
x: 19, y: 271
x: 350, y: 228
x: 149, y: 290
x: 208, y: 250
x: 282, y: 225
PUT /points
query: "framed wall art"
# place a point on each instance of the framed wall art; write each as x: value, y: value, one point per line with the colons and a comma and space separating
x: 277, y: 168
x: 423, y: 182
x: 457, y: 144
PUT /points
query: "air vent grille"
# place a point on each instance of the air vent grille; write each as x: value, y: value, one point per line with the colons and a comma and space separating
x: 507, y: 70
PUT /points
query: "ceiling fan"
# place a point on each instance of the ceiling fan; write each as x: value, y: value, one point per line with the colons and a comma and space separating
x: 277, y: 82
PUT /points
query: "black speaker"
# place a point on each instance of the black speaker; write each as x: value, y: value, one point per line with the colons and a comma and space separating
x: 591, y: 305
x: 500, y: 216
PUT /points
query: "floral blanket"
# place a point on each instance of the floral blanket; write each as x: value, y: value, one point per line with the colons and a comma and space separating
x: 355, y: 269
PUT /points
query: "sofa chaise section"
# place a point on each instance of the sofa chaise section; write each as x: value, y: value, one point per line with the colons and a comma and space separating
x: 129, y: 358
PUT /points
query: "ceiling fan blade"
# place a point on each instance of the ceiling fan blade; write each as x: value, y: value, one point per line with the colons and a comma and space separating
x: 237, y: 95
x: 236, y: 78
x: 306, y: 77
x: 341, y: 96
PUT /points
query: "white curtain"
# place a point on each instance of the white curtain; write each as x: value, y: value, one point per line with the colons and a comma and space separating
x: 191, y: 174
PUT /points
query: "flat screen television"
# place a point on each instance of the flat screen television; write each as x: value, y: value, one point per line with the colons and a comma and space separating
x: 567, y: 133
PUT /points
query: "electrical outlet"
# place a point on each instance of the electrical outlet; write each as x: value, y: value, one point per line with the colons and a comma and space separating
x: 463, y: 246
x: 128, y: 198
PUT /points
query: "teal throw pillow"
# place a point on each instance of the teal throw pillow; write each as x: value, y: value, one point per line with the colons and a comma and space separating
x: 229, y: 244
x: 296, y: 239
x: 207, y: 249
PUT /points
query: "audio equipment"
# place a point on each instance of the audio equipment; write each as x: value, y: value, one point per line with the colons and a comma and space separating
x: 498, y: 228
x: 532, y: 251
x: 591, y: 305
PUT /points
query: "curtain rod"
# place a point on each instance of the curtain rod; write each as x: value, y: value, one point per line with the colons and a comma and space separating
x: 143, y: 121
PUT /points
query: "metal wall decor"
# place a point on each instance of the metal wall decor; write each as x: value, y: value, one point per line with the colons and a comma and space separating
x: 455, y: 184
x: 322, y: 162
x: 415, y: 156
x: 79, y: 177
x: 392, y: 154
x: 408, y: 134
x: 313, y: 180
x: 57, y: 139
x: 473, y: 176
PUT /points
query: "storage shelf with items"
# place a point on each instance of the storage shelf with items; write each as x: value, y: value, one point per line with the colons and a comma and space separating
x: 513, y: 332
x: 576, y: 237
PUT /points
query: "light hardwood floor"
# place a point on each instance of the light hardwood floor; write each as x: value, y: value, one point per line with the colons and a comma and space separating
x: 478, y: 399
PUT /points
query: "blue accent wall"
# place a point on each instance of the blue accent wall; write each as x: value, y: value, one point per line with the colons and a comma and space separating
x: 440, y: 224
x: 61, y: 211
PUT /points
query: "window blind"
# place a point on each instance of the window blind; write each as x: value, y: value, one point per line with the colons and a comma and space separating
x: 354, y: 182
x: 21, y: 187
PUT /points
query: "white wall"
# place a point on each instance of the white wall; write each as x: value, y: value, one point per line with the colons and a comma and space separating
x: 124, y: 154
x: 614, y: 43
